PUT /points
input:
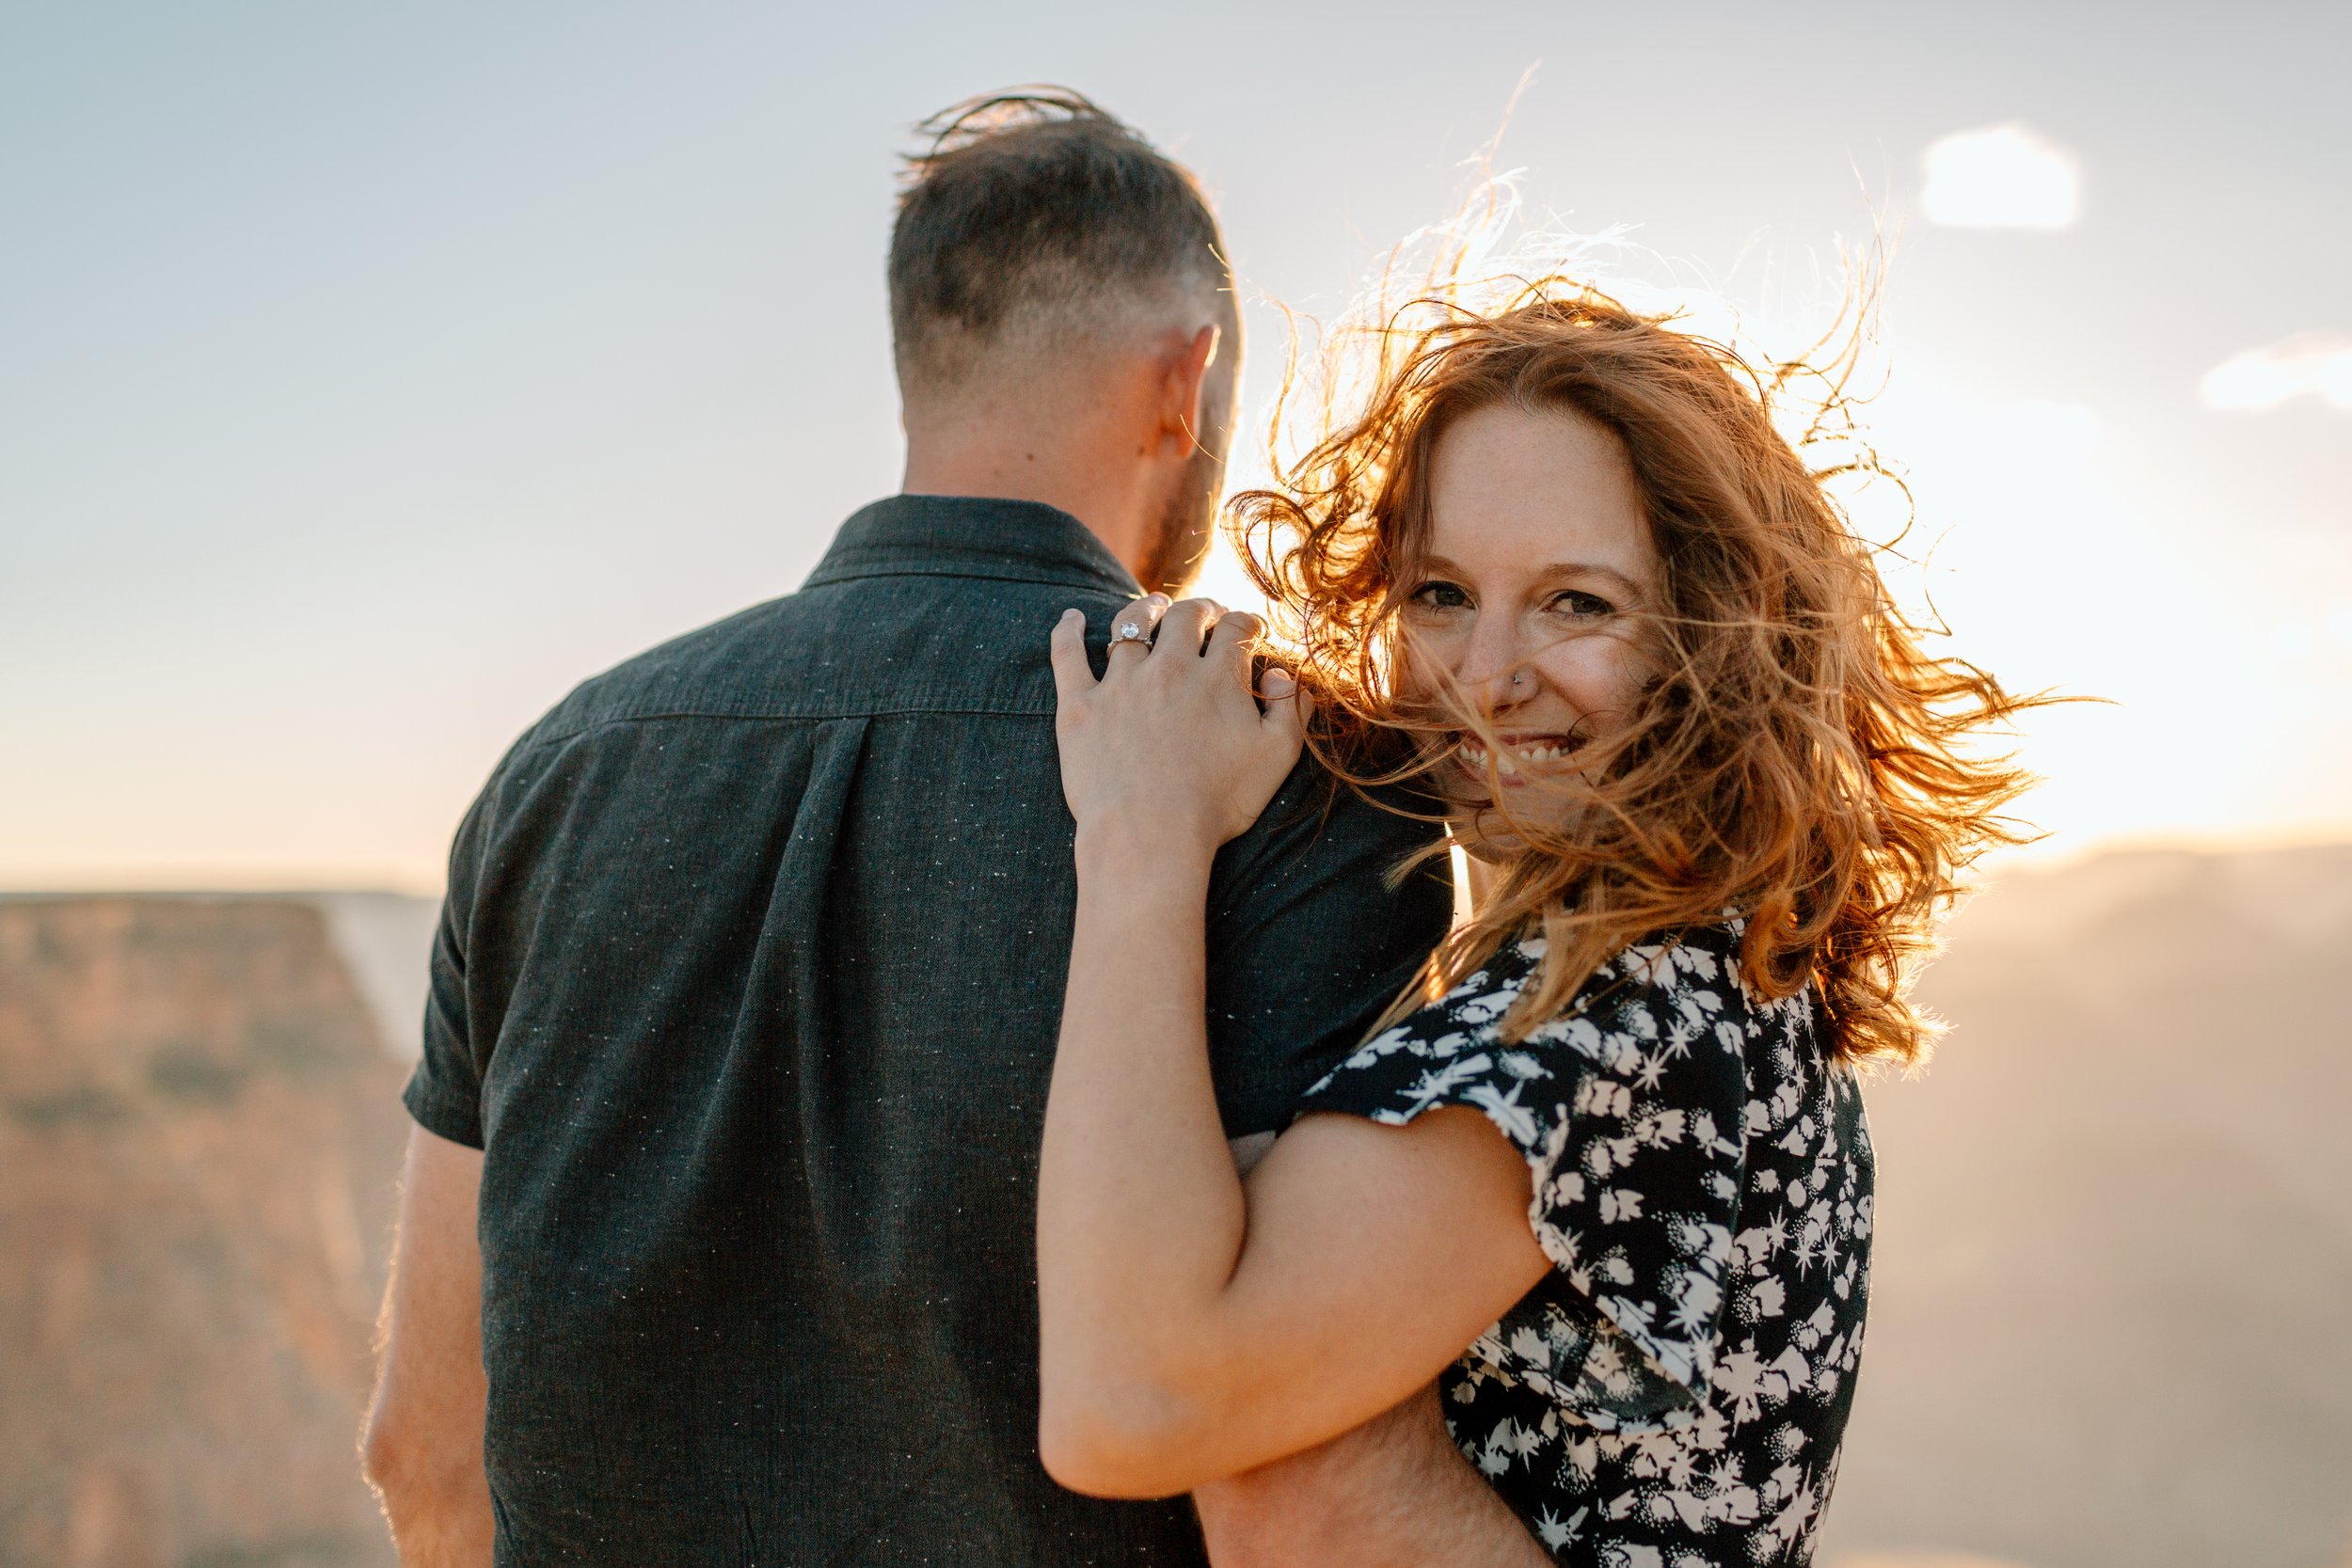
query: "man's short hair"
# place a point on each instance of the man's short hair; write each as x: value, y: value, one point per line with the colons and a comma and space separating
x: 1037, y: 220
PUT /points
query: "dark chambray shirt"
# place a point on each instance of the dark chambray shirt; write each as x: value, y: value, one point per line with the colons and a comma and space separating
x: 748, y: 982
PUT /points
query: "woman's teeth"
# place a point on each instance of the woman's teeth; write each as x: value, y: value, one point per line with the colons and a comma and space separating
x: 1539, y: 751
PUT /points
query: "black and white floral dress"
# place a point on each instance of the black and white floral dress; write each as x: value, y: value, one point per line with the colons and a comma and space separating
x: 1674, y: 1392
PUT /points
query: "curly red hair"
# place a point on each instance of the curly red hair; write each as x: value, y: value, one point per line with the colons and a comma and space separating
x: 1801, y: 757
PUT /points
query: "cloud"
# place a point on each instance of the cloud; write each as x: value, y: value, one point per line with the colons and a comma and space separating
x: 2311, y: 363
x: 2001, y: 177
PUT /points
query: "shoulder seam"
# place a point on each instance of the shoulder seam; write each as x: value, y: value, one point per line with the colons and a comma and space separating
x: 536, y: 742
x: 834, y: 580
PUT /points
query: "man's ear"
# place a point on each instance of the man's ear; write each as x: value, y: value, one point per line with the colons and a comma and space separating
x: 1185, y: 374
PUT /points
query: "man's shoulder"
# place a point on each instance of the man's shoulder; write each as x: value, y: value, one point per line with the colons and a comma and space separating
x: 699, y: 673
x: 1384, y: 845
x: 859, y: 648
x: 706, y: 671
x: 1400, y: 819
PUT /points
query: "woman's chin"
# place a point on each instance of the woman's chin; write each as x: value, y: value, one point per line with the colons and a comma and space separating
x: 1489, y: 849
x: 1488, y: 833
x: 1486, y: 836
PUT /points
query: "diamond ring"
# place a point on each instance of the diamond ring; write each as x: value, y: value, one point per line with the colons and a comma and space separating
x: 1128, y: 631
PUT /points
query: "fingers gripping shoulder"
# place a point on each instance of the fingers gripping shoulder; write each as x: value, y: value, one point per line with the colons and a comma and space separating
x: 1173, y: 731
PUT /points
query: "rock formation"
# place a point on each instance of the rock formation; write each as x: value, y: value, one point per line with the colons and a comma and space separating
x: 199, y: 1135
x: 2109, y: 1305
x: 2114, y: 1251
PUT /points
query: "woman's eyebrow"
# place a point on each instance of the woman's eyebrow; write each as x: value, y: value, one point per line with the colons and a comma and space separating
x: 1593, y: 569
x: 1437, y: 565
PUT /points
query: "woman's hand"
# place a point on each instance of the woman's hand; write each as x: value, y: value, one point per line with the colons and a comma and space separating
x: 1171, y: 746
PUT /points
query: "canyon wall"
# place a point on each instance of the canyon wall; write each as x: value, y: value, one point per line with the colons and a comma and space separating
x: 200, y: 1129
x: 2113, y: 1249
x: 2110, y: 1303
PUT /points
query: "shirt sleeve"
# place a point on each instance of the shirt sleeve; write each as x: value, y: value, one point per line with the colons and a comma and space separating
x: 444, y: 1092
x: 1309, y: 942
x: 1628, y: 1110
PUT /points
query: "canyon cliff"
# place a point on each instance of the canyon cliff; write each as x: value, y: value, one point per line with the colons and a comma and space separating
x: 2114, y: 1228
x: 200, y: 1129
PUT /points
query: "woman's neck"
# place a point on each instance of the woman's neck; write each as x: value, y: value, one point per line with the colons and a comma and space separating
x: 1473, y: 884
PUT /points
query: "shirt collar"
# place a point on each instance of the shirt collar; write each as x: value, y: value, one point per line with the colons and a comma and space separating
x: 970, y: 536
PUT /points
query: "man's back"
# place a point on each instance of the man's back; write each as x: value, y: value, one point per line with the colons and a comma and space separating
x: 749, y: 983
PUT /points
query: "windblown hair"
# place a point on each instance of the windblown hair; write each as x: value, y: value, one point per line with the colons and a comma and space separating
x: 1800, y: 758
x: 1034, y: 217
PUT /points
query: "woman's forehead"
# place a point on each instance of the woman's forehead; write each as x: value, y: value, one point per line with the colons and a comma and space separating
x: 1529, y: 493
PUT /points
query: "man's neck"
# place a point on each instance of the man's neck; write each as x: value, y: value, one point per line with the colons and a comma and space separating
x: 1014, y: 469
x: 1078, y: 453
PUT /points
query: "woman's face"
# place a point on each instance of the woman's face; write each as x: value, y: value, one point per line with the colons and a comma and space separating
x: 1539, y: 561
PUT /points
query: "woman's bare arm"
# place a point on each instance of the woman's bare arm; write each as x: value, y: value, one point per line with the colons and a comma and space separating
x: 1191, y: 1331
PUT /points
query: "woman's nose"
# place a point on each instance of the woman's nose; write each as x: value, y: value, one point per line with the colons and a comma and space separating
x: 1491, y: 666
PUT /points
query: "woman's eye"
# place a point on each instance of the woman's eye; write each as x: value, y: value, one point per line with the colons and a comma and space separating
x: 1584, y: 607
x: 1441, y: 595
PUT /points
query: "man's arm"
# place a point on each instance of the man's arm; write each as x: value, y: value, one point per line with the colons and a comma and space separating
x: 1394, y: 1493
x: 422, y: 1445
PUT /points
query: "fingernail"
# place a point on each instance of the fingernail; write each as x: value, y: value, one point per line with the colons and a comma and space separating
x: 1068, y: 613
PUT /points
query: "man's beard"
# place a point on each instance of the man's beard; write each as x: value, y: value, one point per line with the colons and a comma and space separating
x: 1187, y: 524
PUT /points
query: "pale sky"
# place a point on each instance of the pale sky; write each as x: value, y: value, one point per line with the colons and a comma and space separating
x: 369, y: 376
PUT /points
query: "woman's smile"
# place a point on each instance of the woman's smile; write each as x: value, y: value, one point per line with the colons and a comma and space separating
x: 1521, y: 753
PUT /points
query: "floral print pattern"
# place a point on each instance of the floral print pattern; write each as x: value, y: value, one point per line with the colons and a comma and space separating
x: 1673, y: 1394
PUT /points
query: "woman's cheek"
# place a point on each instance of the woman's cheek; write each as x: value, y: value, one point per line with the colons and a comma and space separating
x: 1585, y: 672
x: 1420, y: 655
